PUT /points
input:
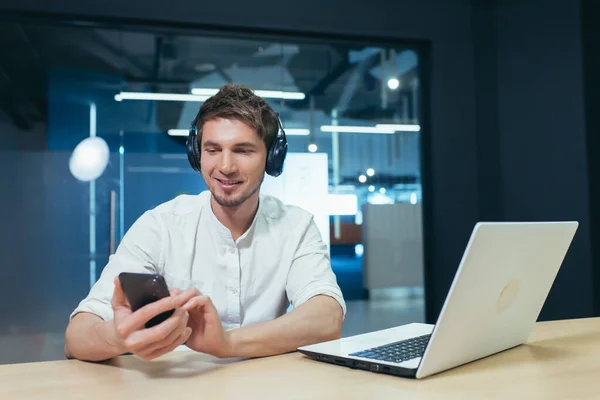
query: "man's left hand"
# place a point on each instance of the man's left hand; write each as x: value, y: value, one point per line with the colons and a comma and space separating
x: 208, y: 335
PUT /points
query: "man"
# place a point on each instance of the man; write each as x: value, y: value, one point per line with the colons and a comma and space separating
x: 233, y: 259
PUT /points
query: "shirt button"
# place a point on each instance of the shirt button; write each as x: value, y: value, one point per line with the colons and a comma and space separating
x: 232, y: 250
x: 234, y: 290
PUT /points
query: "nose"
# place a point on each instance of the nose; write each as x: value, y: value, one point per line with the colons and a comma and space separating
x: 227, y: 164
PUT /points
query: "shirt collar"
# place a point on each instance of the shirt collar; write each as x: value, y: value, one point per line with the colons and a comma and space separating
x: 223, y: 230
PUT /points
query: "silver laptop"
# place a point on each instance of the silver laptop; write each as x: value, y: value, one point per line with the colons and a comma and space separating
x: 497, y: 294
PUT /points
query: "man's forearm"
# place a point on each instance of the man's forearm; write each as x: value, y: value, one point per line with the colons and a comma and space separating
x: 90, y: 338
x: 317, y: 320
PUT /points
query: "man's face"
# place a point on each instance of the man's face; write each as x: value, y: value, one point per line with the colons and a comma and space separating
x: 232, y: 161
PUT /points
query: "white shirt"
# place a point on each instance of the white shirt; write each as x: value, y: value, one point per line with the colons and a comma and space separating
x: 280, y: 259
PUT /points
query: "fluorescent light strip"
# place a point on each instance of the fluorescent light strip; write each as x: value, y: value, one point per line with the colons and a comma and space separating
x: 178, y: 132
x: 297, y: 132
x: 356, y: 129
x: 204, y: 92
x: 158, y: 96
x: 276, y: 94
x: 290, y: 132
x: 401, y: 127
x: 268, y: 94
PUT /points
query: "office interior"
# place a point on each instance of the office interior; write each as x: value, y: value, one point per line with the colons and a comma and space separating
x: 429, y: 116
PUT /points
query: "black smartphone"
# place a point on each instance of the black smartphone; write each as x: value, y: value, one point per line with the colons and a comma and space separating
x: 141, y: 289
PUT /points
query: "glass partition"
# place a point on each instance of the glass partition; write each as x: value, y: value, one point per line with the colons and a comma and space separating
x: 93, y: 123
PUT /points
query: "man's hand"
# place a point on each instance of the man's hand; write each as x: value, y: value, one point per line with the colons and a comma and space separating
x: 208, y: 335
x: 150, y: 343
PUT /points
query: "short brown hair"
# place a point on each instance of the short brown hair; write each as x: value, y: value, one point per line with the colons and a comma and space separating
x: 239, y: 102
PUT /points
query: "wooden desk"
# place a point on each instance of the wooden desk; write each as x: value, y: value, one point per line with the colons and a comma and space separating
x: 561, y: 361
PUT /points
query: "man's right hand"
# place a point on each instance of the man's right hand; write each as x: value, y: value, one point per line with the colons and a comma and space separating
x: 150, y: 343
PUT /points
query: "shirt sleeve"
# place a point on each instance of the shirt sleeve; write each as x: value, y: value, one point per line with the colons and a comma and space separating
x: 139, y: 251
x: 311, y: 274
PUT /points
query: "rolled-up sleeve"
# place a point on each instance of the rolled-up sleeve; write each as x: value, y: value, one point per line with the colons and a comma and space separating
x: 139, y: 251
x: 310, y: 273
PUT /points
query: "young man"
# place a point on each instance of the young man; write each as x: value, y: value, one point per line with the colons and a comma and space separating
x: 233, y: 259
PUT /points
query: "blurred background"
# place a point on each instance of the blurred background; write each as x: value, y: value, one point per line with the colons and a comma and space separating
x: 407, y: 123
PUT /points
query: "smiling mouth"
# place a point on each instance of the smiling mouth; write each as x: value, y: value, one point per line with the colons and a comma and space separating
x: 228, y: 182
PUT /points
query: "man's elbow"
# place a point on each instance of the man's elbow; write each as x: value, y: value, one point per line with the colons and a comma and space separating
x: 67, y: 352
x: 69, y: 333
x: 334, y: 326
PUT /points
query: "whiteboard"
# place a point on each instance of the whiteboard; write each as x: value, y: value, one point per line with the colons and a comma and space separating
x: 304, y: 183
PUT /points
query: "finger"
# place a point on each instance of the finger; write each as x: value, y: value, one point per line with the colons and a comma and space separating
x: 175, y: 292
x: 173, y: 338
x: 148, y: 337
x: 185, y: 335
x: 199, y: 302
x: 149, y: 347
x: 119, y: 299
x: 138, y: 319
x: 185, y: 296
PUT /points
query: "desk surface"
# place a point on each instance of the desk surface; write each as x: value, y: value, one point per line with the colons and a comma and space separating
x: 560, y: 361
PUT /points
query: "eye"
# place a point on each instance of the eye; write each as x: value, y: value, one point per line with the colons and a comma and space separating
x: 210, y: 151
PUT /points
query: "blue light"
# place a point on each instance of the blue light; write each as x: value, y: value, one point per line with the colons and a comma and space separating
x: 359, y: 250
x: 121, y: 149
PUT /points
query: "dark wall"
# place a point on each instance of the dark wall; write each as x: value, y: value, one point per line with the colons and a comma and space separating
x: 531, y: 130
x: 504, y: 121
x: 543, y: 138
x: 590, y: 11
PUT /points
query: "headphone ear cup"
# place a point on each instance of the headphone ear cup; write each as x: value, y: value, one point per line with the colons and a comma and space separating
x: 193, y: 150
x: 276, y: 156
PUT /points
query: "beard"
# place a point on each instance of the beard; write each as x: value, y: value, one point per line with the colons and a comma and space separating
x: 236, y: 200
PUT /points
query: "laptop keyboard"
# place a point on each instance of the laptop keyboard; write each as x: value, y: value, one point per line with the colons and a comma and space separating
x: 397, y: 352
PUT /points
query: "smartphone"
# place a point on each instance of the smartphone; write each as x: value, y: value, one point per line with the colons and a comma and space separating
x: 141, y: 289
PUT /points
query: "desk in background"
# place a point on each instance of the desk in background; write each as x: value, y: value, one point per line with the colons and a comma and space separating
x: 561, y: 361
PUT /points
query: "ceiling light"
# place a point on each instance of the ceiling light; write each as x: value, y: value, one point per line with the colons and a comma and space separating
x: 158, y: 96
x: 413, y: 198
x: 377, y: 198
x: 401, y: 127
x: 178, y: 132
x: 370, y: 172
x: 359, y: 250
x: 362, y: 179
x: 89, y: 159
x: 371, y: 188
x: 267, y: 94
x: 275, y: 94
x: 297, y: 132
x: 356, y: 129
x: 289, y: 132
x: 393, y: 83
x: 204, y: 92
x: 382, y: 190
x: 312, y: 147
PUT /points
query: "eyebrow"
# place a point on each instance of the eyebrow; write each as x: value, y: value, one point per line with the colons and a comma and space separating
x: 245, y: 144
x: 209, y: 143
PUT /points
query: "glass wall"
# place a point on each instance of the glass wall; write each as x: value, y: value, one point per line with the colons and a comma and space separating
x: 92, y: 130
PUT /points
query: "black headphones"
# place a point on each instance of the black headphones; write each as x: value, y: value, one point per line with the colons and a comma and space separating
x: 275, y: 154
